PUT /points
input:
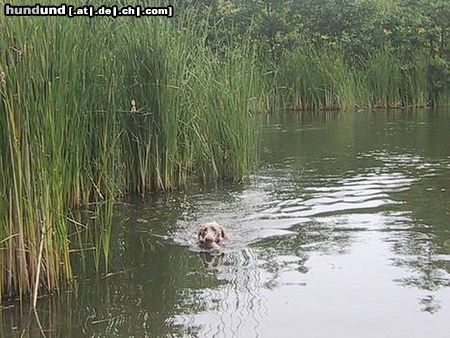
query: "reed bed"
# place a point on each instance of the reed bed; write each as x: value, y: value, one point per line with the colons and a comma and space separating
x: 314, y: 79
x: 91, y: 110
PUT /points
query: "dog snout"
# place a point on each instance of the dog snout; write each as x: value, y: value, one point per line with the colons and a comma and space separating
x: 208, y: 238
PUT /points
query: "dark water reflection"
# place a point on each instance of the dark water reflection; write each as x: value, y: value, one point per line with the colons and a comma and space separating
x: 344, y: 231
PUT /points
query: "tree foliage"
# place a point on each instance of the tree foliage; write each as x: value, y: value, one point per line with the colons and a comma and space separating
x: 358, y: 29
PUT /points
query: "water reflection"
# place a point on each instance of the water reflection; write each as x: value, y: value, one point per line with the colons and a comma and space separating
x: 344, y: 227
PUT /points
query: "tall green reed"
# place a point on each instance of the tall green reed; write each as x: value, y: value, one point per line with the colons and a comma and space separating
x: 193, y: 106
x: 49, y: 159
x: 383, y: 79
x: 313, y: 79
x: 95, y: 109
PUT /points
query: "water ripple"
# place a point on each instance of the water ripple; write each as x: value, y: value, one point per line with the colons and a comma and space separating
x: 359, y: 192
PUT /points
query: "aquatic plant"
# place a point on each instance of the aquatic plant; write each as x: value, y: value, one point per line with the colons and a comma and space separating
x: 314, y: 79
x: 88, y: 114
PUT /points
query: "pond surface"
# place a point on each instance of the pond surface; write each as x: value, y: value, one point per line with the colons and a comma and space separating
x: 344, y: 231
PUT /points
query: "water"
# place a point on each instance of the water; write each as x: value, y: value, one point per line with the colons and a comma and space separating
x: 344, y: 231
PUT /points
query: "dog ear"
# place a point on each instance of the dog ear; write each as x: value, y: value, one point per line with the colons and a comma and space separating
x: 223, y: 234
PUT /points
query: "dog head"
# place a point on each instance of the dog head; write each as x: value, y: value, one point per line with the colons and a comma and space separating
x: 211, y: 236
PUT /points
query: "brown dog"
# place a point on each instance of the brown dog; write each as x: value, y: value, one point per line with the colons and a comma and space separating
x: 212, y: 236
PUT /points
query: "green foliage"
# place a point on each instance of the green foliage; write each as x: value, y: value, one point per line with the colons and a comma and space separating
x: 360, y: 32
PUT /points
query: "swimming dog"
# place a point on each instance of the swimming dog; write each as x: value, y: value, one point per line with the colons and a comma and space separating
x: 212, y: 236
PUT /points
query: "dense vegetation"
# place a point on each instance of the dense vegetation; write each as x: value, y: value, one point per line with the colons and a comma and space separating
x: 94, y: 109
x: 343, y: 53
